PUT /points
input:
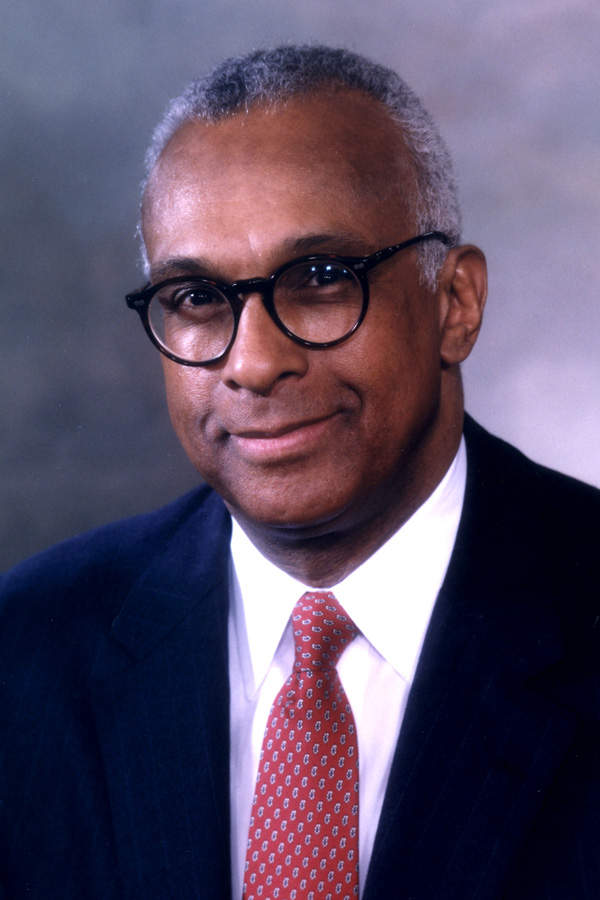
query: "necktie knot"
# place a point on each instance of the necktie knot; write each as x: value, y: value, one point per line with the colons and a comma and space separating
x: 322, y: 631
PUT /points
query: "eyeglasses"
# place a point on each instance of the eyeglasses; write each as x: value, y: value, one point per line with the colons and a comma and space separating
x: 317, y: 301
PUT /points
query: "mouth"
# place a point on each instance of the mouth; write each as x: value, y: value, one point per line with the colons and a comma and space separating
x: 282, y: 441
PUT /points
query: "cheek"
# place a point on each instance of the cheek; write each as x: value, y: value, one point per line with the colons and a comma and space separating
x: 401, y: 350
x: 403, y: 383
x: 188, y: 398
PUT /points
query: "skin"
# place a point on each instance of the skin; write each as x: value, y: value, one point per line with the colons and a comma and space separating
x: 320, y: 454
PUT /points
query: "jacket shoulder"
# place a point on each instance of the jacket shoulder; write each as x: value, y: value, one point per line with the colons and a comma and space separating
x: 508, y: 476
x: 92, y: 573
x: 534, y: 532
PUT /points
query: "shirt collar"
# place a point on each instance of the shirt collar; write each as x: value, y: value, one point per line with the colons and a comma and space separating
x: 390, y: 596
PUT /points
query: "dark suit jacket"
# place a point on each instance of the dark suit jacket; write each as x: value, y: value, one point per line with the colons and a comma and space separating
x: 114, y: 708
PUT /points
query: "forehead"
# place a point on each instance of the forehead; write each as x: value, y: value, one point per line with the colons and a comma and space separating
x: 324, y: 156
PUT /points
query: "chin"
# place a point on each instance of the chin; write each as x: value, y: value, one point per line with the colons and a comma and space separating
x: 306, y: 520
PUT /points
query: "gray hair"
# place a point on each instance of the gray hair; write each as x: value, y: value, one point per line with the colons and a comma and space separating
x: 273, y: 76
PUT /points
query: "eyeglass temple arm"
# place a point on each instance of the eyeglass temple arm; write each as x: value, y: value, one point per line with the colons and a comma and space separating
x: 384, y: 254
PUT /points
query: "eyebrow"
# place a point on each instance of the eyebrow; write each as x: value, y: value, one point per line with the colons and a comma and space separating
x: 325, y: 242
x: 178, y: 265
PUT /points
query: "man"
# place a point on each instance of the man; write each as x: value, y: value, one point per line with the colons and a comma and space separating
x: 312, y: 303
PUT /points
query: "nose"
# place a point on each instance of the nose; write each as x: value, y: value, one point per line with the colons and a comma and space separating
x: 261, y: 355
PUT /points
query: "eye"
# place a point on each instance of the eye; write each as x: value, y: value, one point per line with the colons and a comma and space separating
x: 187, y: 296
x: 317, y: 276
x: 195, y: 296
x: 325, y: 274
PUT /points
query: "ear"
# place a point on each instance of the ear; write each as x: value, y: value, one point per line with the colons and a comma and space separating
x: 462, y: 289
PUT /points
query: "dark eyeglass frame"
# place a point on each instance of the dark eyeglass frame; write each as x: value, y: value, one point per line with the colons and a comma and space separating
x: 233, y: 293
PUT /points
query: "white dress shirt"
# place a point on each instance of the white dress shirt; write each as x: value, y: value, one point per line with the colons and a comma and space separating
x: 390, y: 598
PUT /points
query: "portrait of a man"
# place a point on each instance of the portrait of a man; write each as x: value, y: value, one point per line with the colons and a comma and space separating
x: 360, y: 659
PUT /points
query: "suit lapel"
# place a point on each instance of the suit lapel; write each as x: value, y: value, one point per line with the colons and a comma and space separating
x: 479, y: 743
x: 161, y: 707
x: 477, y: 751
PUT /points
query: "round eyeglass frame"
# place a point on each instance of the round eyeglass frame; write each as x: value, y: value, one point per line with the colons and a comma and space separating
x: 233, y: 292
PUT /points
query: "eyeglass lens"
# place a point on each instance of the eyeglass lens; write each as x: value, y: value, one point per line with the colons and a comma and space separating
x: 318, y: 301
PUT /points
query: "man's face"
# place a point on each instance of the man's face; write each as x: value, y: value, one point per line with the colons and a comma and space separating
x: 291, y: 436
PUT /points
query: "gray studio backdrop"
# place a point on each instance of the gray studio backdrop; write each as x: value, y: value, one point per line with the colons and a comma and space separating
x: 515, y: 88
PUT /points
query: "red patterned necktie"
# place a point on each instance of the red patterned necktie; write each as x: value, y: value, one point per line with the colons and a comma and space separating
x: 303, y: 838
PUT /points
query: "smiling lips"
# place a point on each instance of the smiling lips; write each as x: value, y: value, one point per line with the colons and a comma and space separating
x: 287, y: 440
